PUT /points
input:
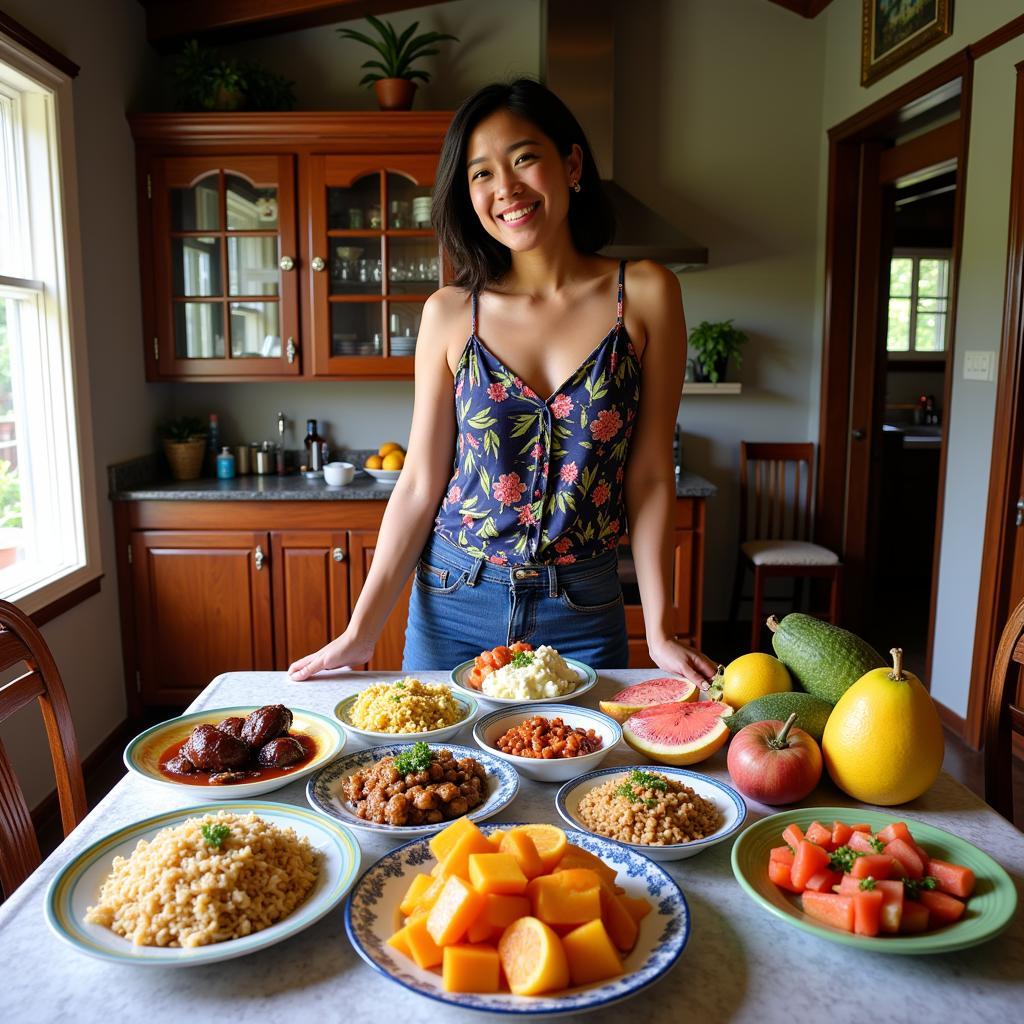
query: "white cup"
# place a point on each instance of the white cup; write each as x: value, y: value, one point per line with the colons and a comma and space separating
x: 337, y: 474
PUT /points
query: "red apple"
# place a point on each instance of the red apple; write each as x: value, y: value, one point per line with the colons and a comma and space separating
x: 774, y: 763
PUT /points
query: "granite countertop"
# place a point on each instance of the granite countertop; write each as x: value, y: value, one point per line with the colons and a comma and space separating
x: 139, y: 480
x: 741, y: 964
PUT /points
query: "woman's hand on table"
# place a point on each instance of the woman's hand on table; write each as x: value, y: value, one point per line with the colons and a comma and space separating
x: 679, y: 660
x: 342, y: 652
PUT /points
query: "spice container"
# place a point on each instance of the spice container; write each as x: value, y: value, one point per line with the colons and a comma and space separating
x: 225, y: 464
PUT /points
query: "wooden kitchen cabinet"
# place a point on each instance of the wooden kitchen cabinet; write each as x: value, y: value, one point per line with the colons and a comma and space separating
x: 388, y: 652
x: 287, y: 245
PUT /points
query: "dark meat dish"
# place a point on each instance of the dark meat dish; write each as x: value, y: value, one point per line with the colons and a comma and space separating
x: 447, y: 790
x: 238, y: 749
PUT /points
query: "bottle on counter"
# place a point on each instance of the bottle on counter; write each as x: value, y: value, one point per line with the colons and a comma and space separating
x: 225, y: 464
x: 314, y: 448
x: 212, y: 445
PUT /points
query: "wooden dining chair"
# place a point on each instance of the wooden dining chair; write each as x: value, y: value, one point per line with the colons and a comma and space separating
x: 21, y: 643
x: 1004, y: 716
x: 775, y: 527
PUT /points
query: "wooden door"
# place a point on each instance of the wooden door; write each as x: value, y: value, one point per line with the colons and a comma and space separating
x: 374, y: 261
x: 310, y: 574
x: 225, y: 267
x: 202, y: 608
x: 388, y: 654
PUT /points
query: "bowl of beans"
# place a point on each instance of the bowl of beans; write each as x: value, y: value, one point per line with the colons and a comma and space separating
x: 552, y: 744
x: 665, y: 813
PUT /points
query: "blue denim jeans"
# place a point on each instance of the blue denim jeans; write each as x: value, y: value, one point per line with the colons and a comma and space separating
x: 461, y: 605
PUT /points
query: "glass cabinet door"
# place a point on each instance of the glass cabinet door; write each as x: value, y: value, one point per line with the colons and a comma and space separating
x: 374, y: 262
x: 225, y: 249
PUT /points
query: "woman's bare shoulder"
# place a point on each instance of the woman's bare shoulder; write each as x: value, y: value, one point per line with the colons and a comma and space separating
x: 650, y: 282
x: 449, y: 306
x: 446, y: 323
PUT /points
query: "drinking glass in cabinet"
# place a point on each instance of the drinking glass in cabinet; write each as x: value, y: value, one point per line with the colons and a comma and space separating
x: 249, y: 207
x: 199, y: 330
x: 409, y: 203
x: 196, y: 266
x: 356, y: 329
x: 404, y: 325
x: 356, y: 201
x: 196, y: 208
x: 414, y: 266
x: 252, y: 265
x: 255, y: 330
x: 355, y: 266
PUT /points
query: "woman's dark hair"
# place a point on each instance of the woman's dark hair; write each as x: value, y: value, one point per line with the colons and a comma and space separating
x: 477, y: 257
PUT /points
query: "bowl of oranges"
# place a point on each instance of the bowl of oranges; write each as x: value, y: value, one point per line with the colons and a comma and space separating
x: 386, y: 465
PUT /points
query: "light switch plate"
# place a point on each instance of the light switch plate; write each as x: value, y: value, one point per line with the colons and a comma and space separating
x: 979, y: 366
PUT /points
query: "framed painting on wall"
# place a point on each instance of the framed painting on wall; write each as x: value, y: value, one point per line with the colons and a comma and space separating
x: 893, y: 31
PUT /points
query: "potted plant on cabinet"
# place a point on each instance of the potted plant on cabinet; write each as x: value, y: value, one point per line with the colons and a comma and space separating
x: 184, y: 443
x: 393, y: 81
x: 713, y: 345
x: 205, y: 80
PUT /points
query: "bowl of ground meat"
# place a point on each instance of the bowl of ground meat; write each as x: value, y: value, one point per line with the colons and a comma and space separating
x: 551, y: 743
x: 665, y: 813
x: 404, y: 790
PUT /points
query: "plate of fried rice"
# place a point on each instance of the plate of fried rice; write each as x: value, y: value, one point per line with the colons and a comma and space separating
x: 202, y: 884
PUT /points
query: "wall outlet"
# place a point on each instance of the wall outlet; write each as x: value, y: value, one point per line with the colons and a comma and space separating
x: 979, y: 366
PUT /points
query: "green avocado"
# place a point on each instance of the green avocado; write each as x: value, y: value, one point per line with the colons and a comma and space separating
x: 823, y: 659
x: 811, y: 712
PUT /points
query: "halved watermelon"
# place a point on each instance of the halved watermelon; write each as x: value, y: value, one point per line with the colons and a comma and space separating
x: 647, y: 694
x: 678, y: 733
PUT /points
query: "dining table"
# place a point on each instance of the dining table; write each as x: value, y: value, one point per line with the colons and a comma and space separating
x: 739, y: 963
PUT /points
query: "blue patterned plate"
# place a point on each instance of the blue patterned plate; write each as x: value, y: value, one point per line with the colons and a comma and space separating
x: 77, y: 886
x: 372, y: 915
x: 323, y: 791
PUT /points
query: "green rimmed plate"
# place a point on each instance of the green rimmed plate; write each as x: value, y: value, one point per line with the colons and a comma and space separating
x: 77, y: 886
x: 989, y: 910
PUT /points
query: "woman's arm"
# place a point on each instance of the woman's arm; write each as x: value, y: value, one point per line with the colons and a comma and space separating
x: 653, y: 292
x: 409, y: 516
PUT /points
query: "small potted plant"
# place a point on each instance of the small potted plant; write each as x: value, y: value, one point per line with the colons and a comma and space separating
x: 712, y: 346
x: 184, y: 443
x: 205, y: 80
x: 393, y: 81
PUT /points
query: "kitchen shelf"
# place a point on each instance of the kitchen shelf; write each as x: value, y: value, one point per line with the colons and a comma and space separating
x: 725, y: 388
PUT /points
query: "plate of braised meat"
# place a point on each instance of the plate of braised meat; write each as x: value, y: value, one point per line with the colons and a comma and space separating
x: 232, y: 753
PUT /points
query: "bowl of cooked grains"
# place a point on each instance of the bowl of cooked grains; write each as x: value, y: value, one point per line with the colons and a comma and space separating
x: 550, y: 744
x: 665, y: 813
x: 406, y: 709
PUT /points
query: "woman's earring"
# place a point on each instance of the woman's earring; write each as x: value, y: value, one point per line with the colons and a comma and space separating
x: 576, y: 187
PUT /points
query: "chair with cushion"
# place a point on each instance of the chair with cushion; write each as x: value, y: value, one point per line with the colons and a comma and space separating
x: 1004, y: 715
x: 776, y: 489
x: 21, y: 644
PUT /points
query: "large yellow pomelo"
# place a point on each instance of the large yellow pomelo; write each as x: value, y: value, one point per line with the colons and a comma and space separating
x: 883, y: 742
x: 751, y: 676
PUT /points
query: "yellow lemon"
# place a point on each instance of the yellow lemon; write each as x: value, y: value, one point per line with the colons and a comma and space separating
x: 389, y: 446
x: 751, y: 676
x: 883, y: 742
x: 373, y: 462
x: 393, y: 460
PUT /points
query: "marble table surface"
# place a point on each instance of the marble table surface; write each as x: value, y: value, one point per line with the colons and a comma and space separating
x: 740, y: 964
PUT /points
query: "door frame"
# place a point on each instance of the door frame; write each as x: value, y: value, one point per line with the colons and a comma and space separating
x: 844, y: 310
x: 1007, y: 449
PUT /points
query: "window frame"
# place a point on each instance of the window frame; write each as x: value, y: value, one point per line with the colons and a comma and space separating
x: 916, y: 254
x: 57, y: 248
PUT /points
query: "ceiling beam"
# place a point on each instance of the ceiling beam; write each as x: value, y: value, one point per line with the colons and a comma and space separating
x: 806, y: 8
x: 170, y: 22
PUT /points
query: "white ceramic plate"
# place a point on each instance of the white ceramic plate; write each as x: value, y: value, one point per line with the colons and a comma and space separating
x: 142, y: 755
x: 383, y: 476
x: 586, y: 675
x: 489, y: 729
x: 343, y: 712
x: 77, y: 886
x: 323, y: 791
x: 729, y: 803
x: 372, y: 915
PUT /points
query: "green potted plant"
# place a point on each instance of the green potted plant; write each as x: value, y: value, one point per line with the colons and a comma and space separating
x: 393, y: 81
x: 205, y: 80
x: 184, y: 441
x: 712, y: 346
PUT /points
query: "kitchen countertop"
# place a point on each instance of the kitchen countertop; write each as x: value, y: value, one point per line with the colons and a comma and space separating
x: 740, y: 964
x: 126, y: 486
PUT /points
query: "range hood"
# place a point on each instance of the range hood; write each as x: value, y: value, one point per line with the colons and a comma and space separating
x: 579, y: 65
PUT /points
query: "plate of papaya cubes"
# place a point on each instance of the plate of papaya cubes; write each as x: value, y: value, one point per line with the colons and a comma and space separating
x: 518, y: 918
x: 868, y: 879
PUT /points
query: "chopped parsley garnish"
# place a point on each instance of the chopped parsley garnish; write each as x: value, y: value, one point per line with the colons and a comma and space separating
x: 651, y: 803
x: 867, y: 884
x: 628, y: 792
x: 521, y: 659
x: 397, y: 697
x: 415, y: 760
x: 215, y: 834
x: 877, y: 845
x: 842, y: 858
x: 399, y: 685
x: 644, y: 780
x: 912, y: 886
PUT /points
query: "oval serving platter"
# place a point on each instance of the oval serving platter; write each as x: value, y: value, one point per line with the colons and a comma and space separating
x: 372, y: 914
x: 586, y: 675
x: 323, y: 791
x: 77, y: 887
x: 988, y: 912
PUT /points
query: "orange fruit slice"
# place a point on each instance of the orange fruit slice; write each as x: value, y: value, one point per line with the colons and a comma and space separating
x: 550, y: 841
x: 533, y: 958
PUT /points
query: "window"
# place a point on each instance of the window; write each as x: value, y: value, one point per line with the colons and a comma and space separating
x: 48, y: 538
x: 918, y: 302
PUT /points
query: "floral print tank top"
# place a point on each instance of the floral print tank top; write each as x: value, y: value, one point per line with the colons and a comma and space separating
x: 540, y: 480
